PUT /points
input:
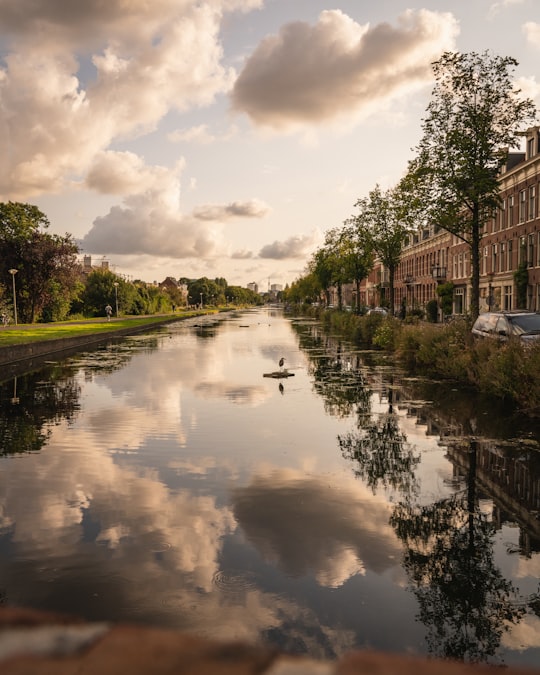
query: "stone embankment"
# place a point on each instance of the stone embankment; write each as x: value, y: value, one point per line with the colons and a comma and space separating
x: 35, y: 643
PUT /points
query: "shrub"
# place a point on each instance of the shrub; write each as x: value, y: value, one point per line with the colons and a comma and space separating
x: 432, y: 310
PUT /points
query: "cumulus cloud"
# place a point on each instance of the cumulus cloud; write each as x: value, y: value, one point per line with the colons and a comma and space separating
x: 316, y: 73
x: 126, y: 173
x: 532, y: 33
x: 242, y: 254
x: 293, y: 247
x: 250, y: 209
x: 149, y: 221
x: 77, y: 78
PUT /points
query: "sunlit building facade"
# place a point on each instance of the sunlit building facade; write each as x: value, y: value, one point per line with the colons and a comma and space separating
x: 433, y: 256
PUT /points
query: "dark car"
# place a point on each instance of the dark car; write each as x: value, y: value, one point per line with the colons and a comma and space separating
x: 505, y: 325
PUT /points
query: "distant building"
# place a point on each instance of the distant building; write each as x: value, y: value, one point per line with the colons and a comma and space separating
x: 87, y: 268
x: 179, y: 290
x: 252, y: 286
x: 276, y: 288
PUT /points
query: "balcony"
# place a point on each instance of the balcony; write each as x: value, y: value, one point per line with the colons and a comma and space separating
x: 409, y: 280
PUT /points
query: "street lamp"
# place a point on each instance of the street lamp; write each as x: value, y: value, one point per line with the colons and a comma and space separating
x: 115, y: 284
x: 13, y: 272
x: 201, y: 301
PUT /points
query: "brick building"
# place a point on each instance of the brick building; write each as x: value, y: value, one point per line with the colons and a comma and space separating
x: 433, y: 256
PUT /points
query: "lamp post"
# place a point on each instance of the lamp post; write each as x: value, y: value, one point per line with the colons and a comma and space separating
x: 201, y: 301
x: 13, y: 272
x: 115, y: 284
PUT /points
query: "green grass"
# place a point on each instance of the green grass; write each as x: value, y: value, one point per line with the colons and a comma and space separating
x: 52, y: 331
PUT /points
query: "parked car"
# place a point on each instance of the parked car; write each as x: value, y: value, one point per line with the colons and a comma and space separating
x: 505, y: 325
x: 378, y: 310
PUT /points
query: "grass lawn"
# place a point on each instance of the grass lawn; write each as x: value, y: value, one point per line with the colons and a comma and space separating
x: 15, y: 335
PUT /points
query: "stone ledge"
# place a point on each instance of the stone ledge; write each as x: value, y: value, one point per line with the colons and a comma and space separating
x: 38, y: 643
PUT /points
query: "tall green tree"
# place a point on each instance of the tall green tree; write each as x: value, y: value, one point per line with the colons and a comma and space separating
x: 330, y: 265
x: 46, y: 263
x: 381, y: 225
x: 357, y: 256
x: 474, y: 117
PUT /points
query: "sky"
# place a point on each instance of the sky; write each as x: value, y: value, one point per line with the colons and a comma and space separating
x: 223, y: 138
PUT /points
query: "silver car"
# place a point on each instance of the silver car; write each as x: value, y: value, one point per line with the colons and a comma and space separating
x: 505, y: 325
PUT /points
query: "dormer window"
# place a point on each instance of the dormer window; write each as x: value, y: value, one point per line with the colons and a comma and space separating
x: 530, y: 148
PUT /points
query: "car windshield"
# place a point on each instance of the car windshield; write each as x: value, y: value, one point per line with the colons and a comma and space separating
x: 526, y: 323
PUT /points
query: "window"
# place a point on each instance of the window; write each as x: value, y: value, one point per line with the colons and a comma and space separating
x: 522, y: 253
x: 510, y: 211
x: 532, y: 202
x: 522, y: 206
x: 530, y: 250
x: 509, y: 261
x: 459, y: 300
x: 494, y: 258
x: 530, y: 148
x: 502, y: 258
x: 507, y: 297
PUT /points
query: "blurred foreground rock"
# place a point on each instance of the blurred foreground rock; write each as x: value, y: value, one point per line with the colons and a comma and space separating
x: 34, y: 642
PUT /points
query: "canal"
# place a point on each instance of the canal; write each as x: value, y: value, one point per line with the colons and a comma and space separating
x: 162, y: 479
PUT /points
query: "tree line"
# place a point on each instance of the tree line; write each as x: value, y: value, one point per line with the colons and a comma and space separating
x: 475, y: 116
x: 41, y: 280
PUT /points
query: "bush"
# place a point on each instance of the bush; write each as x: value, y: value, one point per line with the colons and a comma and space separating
x: 432, y: 311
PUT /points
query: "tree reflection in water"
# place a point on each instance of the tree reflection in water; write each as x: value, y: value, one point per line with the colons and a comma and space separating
x: 380, y: 452
x: 30, y: 403
x: 465, y: 602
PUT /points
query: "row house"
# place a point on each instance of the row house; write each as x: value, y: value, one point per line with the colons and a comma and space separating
x: 433, y: 256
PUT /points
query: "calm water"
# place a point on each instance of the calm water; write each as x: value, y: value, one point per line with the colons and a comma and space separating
x: 164, y: 480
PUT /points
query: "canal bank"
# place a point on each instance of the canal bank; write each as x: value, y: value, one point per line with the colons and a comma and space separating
x: 26, y: 356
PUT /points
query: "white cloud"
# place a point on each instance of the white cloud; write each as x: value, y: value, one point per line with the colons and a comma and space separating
x: 312, y: 74
x: 97, y: 74
x: 253, y: 208
x: 293, y: 247
x: 149, y: 221
x: 531, y: 30
x: 126, y: 173
x: 529, y: 87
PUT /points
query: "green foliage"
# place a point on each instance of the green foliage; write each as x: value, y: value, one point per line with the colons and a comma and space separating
x: 432, y: 310
x: 446, y: 296
x: 474, y: 112
x: 45, y: 263
x: 380, y: 223
x: 385, y: 334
